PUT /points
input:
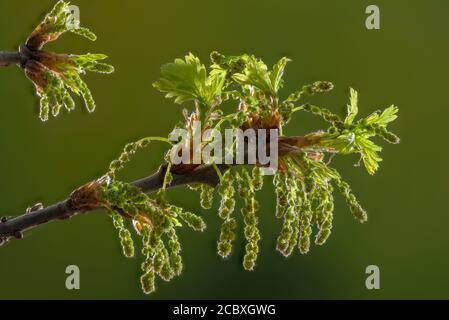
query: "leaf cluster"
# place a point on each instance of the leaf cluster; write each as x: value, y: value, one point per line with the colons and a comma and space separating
x: 56, y: 75
x: 304, y: 182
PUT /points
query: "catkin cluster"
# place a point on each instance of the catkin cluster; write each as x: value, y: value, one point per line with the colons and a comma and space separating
x: 206, y: 196
x: 55, y: 75
x: 287, y: 208
x: 324, y: 113
x: 227, y: 232
x: 161, y: 247
x: 129, y: 150
x: 287, y: 107
x: 252, y: 235
x: 247, y: 185
x: 156, y: 222
x: 126, y: 240
x: 355, y: 207
x: 304, y: 199
x: 281, y: 189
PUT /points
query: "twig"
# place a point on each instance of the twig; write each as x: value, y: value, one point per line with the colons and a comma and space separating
x: 15, y: 227
x: 204, y: 174
x: 9, y: 58
x: 18, y: 58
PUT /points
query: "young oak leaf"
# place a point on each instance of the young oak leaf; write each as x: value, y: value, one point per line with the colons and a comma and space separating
x: 55, y: 74
x: 352, y: 108
x: 58, y: 21
x: 355, y: 137
x: 277, y: 73
x: 256, y: 74
x: 187, y: 80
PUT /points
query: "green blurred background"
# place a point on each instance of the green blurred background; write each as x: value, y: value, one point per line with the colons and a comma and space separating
x: 404, y: 63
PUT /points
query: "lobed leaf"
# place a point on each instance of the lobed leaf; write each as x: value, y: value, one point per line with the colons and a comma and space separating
x: 187, y: 80
x: 352, y: 108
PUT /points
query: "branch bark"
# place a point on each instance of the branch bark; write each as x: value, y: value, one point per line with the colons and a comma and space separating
x: 19, y: 57
x: 68, y: 208
x: 15, y: 227
x: 9, y: 58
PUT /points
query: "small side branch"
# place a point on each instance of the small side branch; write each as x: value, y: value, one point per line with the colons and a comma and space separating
x: 15, y: 227
x: 9, y: 58
x: 204, y: 174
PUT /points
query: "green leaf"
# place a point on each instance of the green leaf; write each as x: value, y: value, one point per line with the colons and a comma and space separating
x: 89, y: 57
x: 370, y: 154
x: 58, y: 21
x: 352, y: 108
x: 89, y: 62
x: 187, y: 80
x: 54, y: 74
x: 387, y: 116
x: 277, y: 73
x: 256, y: 74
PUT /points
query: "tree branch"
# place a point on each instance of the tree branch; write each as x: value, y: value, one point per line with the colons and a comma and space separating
x: 9, y: 58
x: 65, y: 209
x: 204, y: 174
x: 18, y: 58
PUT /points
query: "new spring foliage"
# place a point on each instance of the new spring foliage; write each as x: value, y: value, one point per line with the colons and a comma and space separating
x: 304, y: 182
x: 56, y: 75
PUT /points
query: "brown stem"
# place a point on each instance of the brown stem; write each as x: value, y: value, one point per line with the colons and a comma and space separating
x: 70, y: 207
x: 9, y: 58
x: 20, y: 57
x: 67, y: 209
